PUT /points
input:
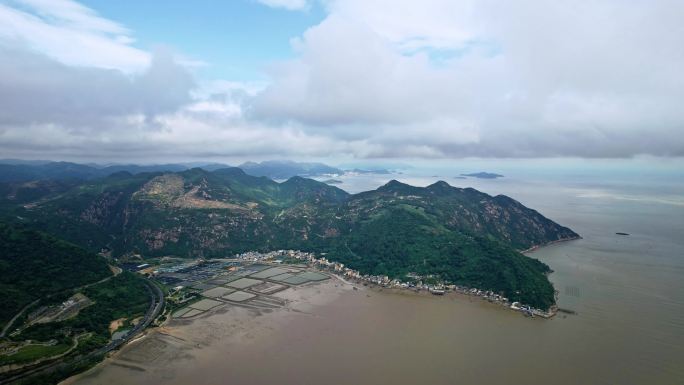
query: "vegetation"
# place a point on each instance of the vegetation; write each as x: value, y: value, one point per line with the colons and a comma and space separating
x: 123, y: 296
x: 31, y: 353
x: 403, y: 240
x: 34, y: 265
x: 460, y: 235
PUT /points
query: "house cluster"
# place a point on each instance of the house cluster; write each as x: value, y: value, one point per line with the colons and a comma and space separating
x: 271, y: 256
x: 415, y: 281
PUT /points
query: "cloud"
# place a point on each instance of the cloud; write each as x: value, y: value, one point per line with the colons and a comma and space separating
x: 374, y: 79
x: 521, y: 79
x: 434, y: 24
x: 292, y: 5
x: 73, y: 87
x: 35, y: 89
x: 70, y: 33
x: 348, y: 74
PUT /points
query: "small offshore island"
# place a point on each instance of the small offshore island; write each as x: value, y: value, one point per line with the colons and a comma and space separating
x: 483, y: 175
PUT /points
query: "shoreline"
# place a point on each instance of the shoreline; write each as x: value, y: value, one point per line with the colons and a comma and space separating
x: 293, y: 298
x: 537, y: 247
x: 552, y: 312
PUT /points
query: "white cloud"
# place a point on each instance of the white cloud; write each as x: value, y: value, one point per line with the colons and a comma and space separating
x: 414, y: 25
x: 74, y: 15
x: 348, y: 74
x: 70, y: 33
x: 293, y: 5
x: 525, y: 78
x: 432, y: 79
x: 36, y: 89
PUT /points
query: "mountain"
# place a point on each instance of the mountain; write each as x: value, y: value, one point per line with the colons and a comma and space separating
x: 279, y: 169
x: 51, y: 170
x: 332, y: 181
x: 136, y: 169
x: 379, y: 171
x: 206, y: 166
x: 34, y: 265
x: 26, y: 171
x: 22, y: 161
x: 461, y: 235
x: 13, y: 170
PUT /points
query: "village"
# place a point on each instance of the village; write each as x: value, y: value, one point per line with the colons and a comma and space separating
x: 251, y: 278
x: 415, y: 283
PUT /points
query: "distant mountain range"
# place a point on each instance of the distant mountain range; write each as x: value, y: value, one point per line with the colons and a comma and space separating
x: 24, y: 171
x: 14, y: 170
x: 283, y: 169
x: 461, y: 235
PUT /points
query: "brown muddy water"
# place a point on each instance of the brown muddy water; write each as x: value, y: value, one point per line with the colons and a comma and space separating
x: 370, y: 337
x: 628, y: 292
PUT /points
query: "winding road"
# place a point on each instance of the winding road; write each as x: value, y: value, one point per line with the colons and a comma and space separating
x: 156, y: 306
x: 115, y: 271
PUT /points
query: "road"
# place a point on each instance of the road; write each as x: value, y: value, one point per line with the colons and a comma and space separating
x: 11, y: 322
x: 115, y: 270
x: 156, y: 306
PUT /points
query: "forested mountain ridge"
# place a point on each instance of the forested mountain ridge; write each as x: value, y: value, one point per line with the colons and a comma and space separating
x: 462, y: 235
x: 14, y: 170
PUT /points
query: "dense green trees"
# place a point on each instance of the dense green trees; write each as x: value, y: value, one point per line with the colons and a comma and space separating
x: 403, y: 239
x: 462, y: 235
x: 123, y: 296
x: 34, y: 265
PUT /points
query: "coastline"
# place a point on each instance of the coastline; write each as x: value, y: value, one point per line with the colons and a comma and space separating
x: 300, y: 300
x: 322, y: 324
x: 478, y: 296
x: 537, y: 247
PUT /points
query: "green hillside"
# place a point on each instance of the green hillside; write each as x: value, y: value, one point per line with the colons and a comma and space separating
x: 34, y: 265
x: 461, y: 235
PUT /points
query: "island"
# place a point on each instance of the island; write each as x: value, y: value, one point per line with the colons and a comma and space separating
x: 283, y: 169
x: 332, y: 181
x: 378, y: 171
x: 483, y: 175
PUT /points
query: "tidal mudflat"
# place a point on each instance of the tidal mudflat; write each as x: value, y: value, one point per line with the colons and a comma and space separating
x: 179, y: 352
x: 330, y: 333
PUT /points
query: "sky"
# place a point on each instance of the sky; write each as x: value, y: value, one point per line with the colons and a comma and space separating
x: 342, y: 80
